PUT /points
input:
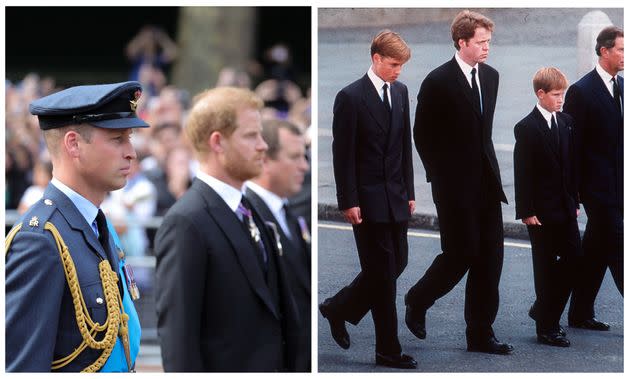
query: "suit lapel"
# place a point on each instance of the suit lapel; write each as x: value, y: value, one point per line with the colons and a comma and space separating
x: 601, y: 93
x: 396, y: 116
x: 565, y: 133
x: 374, y: 104
x: 231, y: 226
x: 75, y: 219
x: 462, y: 82
x: 292, y: 248
x: 544, y: 130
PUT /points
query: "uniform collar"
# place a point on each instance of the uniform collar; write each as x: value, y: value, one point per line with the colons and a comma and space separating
x: 85, y: 207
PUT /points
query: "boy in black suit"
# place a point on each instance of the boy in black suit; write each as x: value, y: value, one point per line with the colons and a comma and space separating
x: 547, y: 201
x: 374, y: 176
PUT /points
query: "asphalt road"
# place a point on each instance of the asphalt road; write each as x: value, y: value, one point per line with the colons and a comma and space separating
x: 444, y: 350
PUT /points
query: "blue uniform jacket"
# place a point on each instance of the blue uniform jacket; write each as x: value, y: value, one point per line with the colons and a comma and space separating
x: 40, y: 318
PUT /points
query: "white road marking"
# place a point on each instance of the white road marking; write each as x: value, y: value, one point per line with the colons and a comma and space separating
x: 419, y: 234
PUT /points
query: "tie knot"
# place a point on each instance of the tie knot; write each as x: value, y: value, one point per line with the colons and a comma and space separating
x: 385, y: 87
x: 243, y: 208
x: 473, y: 71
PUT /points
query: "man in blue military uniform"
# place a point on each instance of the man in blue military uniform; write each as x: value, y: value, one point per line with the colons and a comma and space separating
x: 68, y: 291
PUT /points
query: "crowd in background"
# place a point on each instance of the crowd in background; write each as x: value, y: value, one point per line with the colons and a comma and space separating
x: 165, y: 166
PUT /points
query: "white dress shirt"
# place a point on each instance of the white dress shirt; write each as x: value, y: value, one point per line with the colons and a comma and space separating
x: 378, y: 84
x: 275, y: 204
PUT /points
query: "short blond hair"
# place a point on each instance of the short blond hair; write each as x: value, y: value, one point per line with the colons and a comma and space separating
x: 391, y: 45
x: 549, y: 79
x: 215, y: 110
x: 465, y: 23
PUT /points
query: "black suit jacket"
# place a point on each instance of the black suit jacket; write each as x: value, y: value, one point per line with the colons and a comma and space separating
x: 215, y: 311
x: 297, y: 254
x: 372, y: 152
x: 599, y: 127
x: 545, y: 176
x: 453, y: 138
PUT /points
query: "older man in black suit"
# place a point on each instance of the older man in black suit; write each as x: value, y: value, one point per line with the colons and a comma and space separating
x: 224, y: 298
x: 453, y: 135
x: 596, y: 104
x: 283, y: 176
x: 374, y: 177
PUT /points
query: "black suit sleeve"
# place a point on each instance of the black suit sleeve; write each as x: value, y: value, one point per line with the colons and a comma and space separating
x: 407, y: 155
x: 575, y: 107
x: 423, y: 133
x: 180, y: 282
x: 523, y: 172
x: 344, y: 150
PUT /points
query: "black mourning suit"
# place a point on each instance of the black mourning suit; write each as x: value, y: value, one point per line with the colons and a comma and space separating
x: 454, y: 140
x: 545, y: 177
x: 373, y: 171
x: 297, y: 254
x: 219, y: 307
x: 599, y: 129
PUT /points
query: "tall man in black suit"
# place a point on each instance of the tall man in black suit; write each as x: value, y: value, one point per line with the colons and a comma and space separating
x: 453, y: 135
x: 596, y: 104
x: 224, y: 298
x: 282, y: 177
x: 545, y: 182
x: 374, y: 176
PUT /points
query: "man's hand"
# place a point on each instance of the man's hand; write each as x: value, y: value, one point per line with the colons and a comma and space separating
x: 533, y: 220
x: 352, y: 215
x: 412, y: 206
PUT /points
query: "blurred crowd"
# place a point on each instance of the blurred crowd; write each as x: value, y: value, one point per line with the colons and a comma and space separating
x: 165, y: 166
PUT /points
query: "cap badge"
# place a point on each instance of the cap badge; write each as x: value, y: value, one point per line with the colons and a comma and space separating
x: 34, y: 222
x: 134, y: 103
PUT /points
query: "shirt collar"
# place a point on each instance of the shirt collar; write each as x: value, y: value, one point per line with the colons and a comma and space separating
x: 85, y: 207
x: 465, y: 67
x: 376, y: 81
x: 273, y: 201
x: 546, y: 114
x: 604, y: 75
x: 229, y: 194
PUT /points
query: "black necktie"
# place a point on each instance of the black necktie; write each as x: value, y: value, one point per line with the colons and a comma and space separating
x: 103, y: 231
x: 554, y: 132
x: 291, y: 223
x: 616, y: 93
x: 103, y: 238
x: 386, y: 98
x: 475, y: 90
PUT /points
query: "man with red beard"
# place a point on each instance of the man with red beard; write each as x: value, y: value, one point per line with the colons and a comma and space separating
x: 223, y: 297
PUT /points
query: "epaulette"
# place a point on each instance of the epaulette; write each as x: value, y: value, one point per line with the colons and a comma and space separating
x: 36, y: 217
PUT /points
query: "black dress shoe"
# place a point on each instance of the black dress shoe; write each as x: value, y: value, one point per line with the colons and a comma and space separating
x: 553, y: 339
x: 532, y: 314
x: 490, y: 345
x: 591, y: 323
x: 416, y: 321
x: 396, y: 361
x: 337, y: 326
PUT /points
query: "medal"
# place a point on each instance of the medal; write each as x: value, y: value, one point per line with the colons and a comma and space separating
x: 134, y: 292
x: 306, y: 235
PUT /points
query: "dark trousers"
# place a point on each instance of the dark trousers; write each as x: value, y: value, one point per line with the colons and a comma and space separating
x: 603, y: 248
x: 382, y: 249
x: 472, y: 241
x: 555, y: 248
